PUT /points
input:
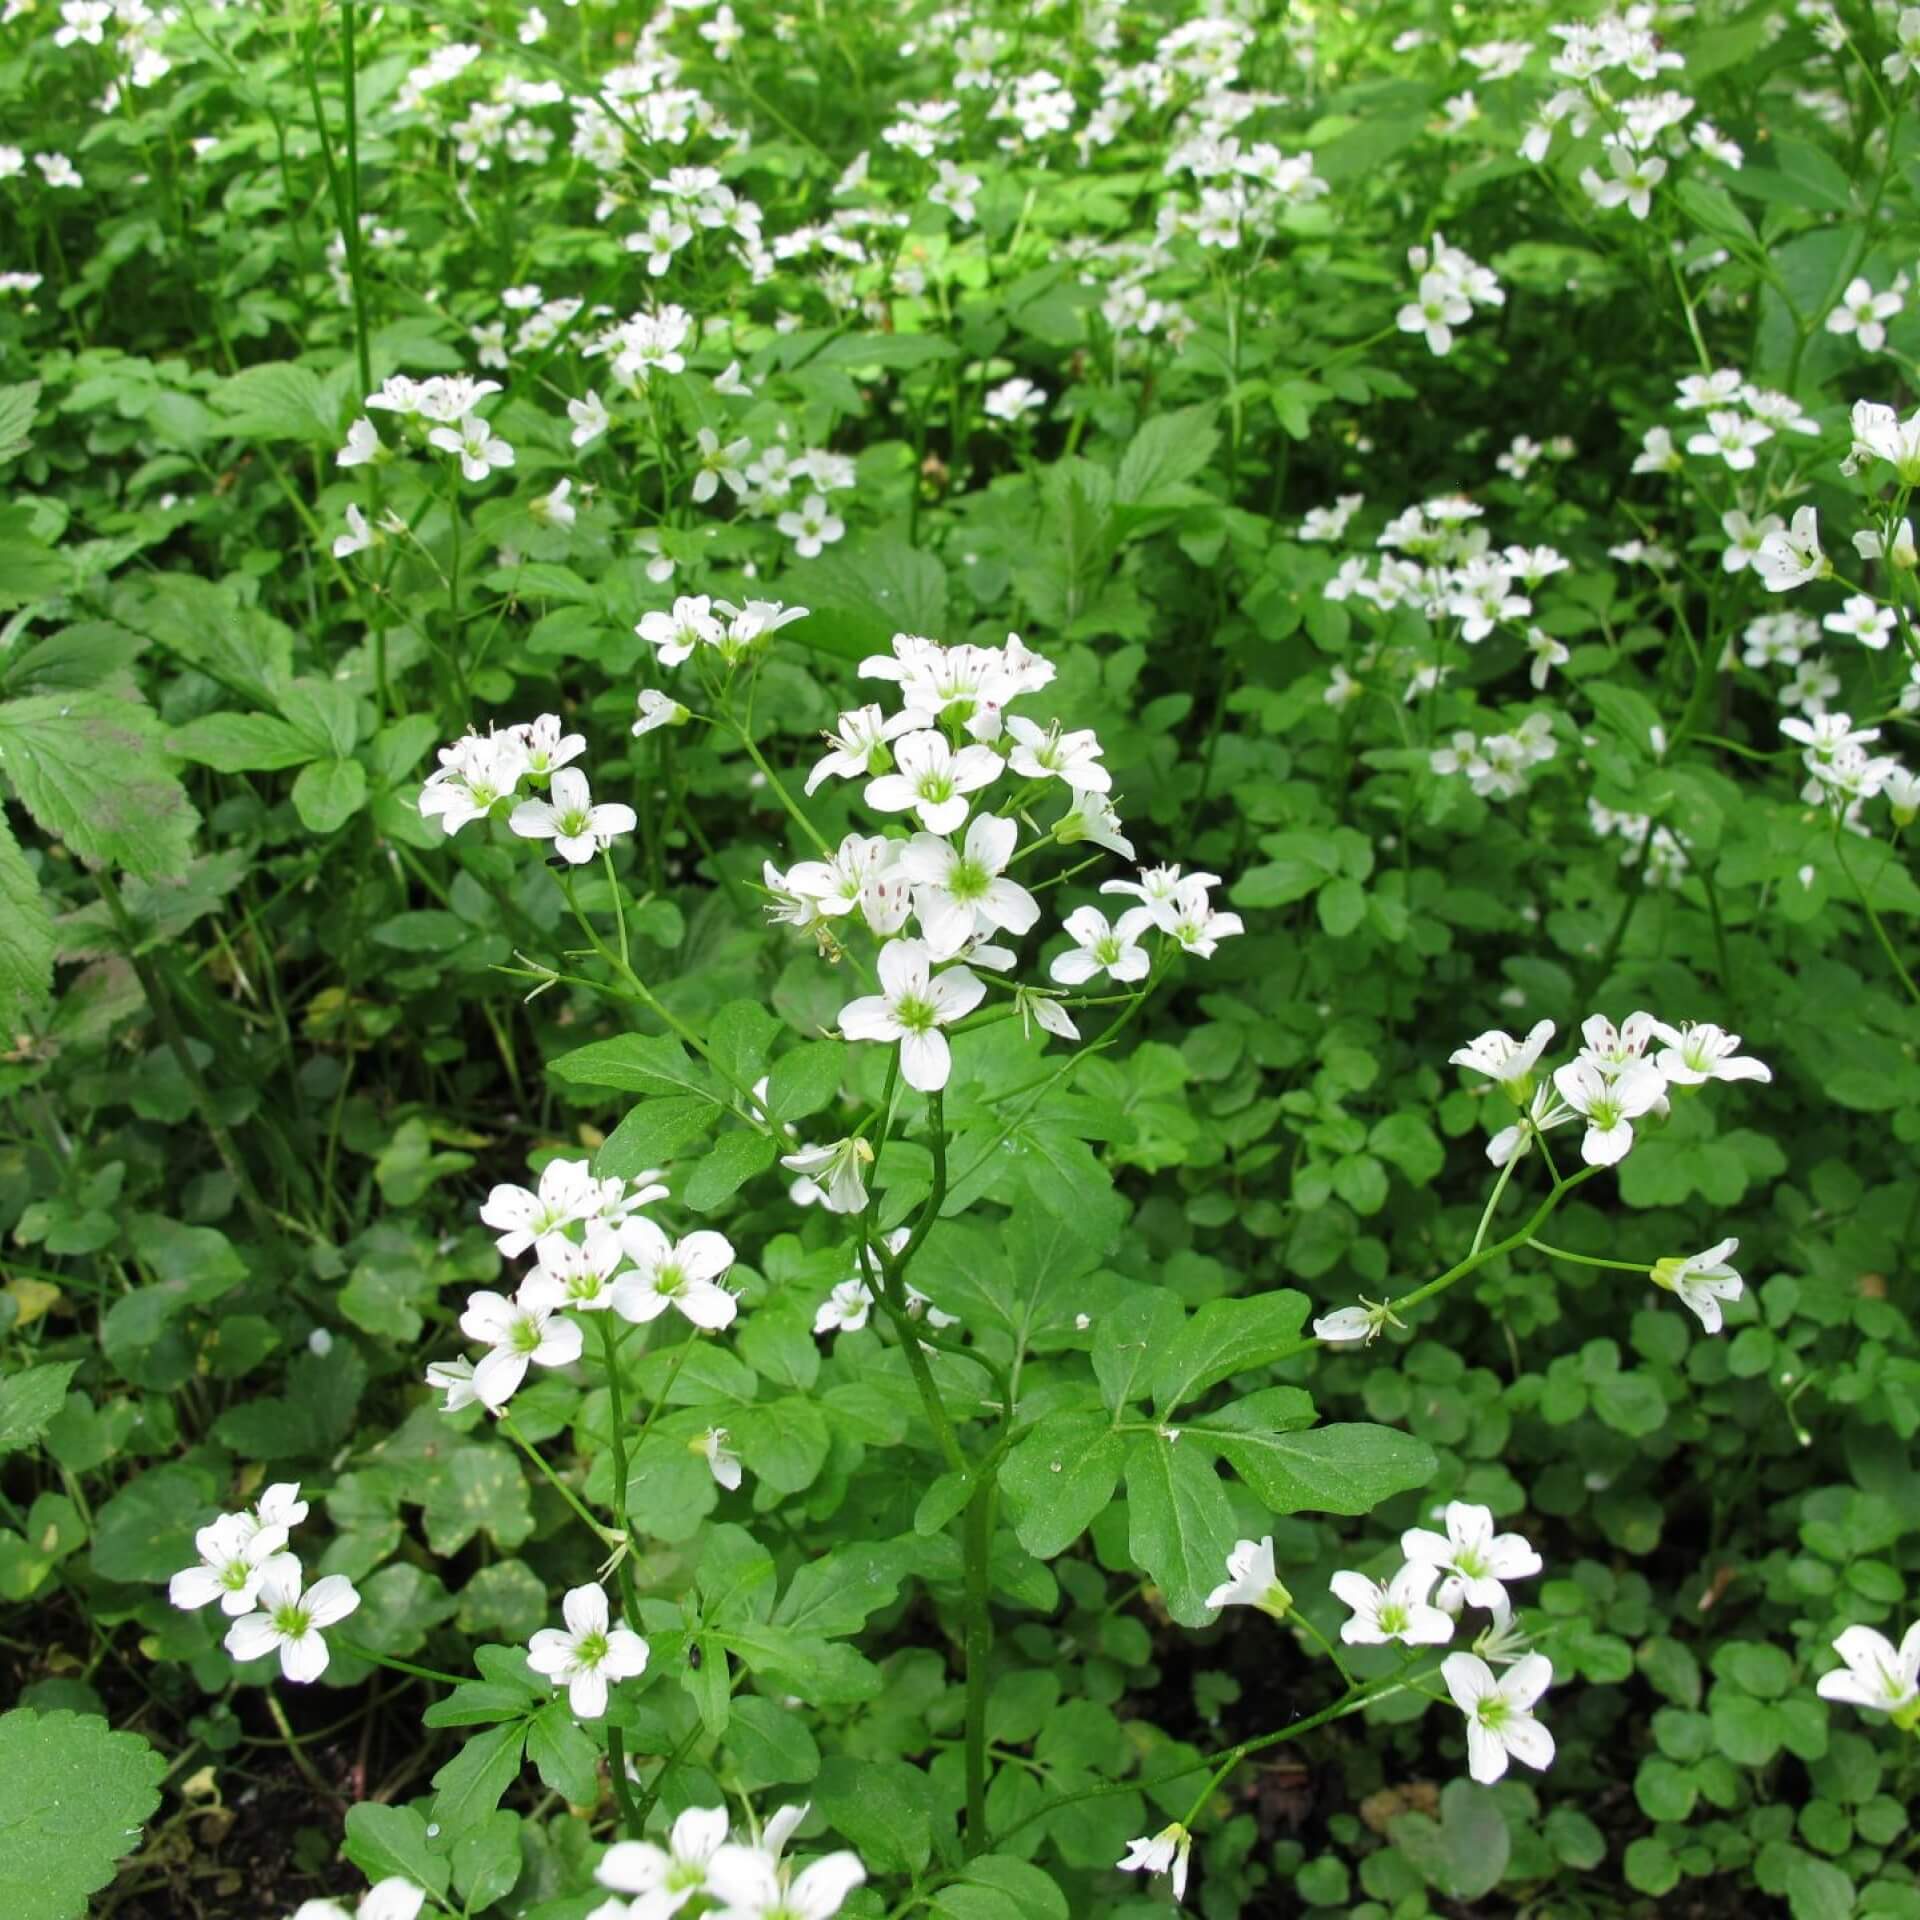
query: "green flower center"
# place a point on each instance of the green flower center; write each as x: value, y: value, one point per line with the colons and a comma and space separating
x: 934, y: 788
x: 291, y: 1623
x: 526, y: 1336
x: 969, y: 880
x: 1493, y: 1712
x: 914, y: 1014
x: 573, y: 822
x: 669, y: 1280
x: 686, y: 1876
x: 235, y: 1575
x: 1393, y: 1618
x: 1470, y: 1563
x: 590, y: 1649
x: 1107, y: 949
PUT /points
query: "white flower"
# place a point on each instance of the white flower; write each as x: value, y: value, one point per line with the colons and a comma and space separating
x: 1905, y: 58
x: 859, y: 746
x: 574, y: 1274
x: 684, y: 1274
x: 1252, y: 1580
x: 1545, y: 1110
x: 568, y: 1194
x: 1635, y: 175
x: 1101, y: 946
x: 588, y: 1654
x: 1791, y: 559
x: 722, y: 1462
x: 475, y: 774
x: 834, y: 1172
x: 1875, y: 1675
x: 691, y: 624
x: 1548, y: 653
x: 289, y: 1620
x: 555, y: 507
x: 1608, y: 1106
x: 912, y: 1008
x: 590, y: 419
x: 1510, y: 1062
x: 520, y: 1336
x: 1702, y: 1281
x: 548, y: 749
x: 1092, y: 817
x: 752, y: 1883
x: 363, y: 444
x: 358, y: 537
x: 577, y: 828
x: 1196, y: 926
x: 1745, y: 537
x: 812, y: 528
x: 479, y: 448
x: 1013, y: 400
x: 233, y: 1562
x: 959, y: 892
x: 1694, y: 1054
x: 1395, y: 1610
x: 393, y: 1898
x: 845, y: 1309
x: 1158, y: 889
x: 1500, y: 1723
x: 1042, y: 753
x: 1163, y: 1852
x: 279, y: 1507
x: 1439, y: 307
x: 1864, y: 313
x: 932, y: 781
x: 1362, y: 1323
x: 454, y: 1378
x: 1476, y: 1560
x: 658, y: 710
x: 672, y: 1875
x: 1733, y: 436
x: 1862, y: 618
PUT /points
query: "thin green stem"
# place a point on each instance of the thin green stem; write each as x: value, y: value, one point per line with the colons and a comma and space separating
x: 608, y: 1537
x: 1588, y: 1259
x: 617, y: 1423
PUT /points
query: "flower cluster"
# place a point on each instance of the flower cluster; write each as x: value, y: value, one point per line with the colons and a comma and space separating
x: 244, y: 1565
x: 1449, y: 285
x: 746, y: 1879
x: 594, y: 1251
x: 479, y: 771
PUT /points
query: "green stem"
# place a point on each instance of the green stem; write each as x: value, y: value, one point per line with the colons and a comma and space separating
x: 1588, y: 1259
x: 977, y: 1645
x: 1879, y: 931
x: 608, y: 1537
x: 367, y: 1654
x: 651, y: 1791
x: 631, y: 1818
x: 616, y: 1407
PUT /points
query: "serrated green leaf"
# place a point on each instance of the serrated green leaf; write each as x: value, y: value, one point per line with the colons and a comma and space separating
x: 88, y: 768
x: 17, y: 404
x: 1227, y: 1337
x: 805, y: 1079
x: 26, y: 936
x: 73, y: 1799
x: 241, y: 743
x: 1179, y: 1526
x: 471, y: 1783
x: 29, y: 1400
x: 1339, y: 1469
x: 564, y: 1755
x: 1060, y: 1477
x: 717, y: 1176
x: 635, y: 1063
x: 385, y: 1841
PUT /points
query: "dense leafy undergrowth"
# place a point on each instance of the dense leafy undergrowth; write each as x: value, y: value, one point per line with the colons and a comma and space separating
x: 957, y: 960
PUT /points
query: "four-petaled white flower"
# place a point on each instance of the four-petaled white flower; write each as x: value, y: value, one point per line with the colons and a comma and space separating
x: 475, y: 774
x: 834, y: 1172
x: 931, y: 781
x: 1013, y: 400
x: 520, y: 1337
x: 859, y: 746
x: 1046, y: 753
x: 1103, y: 946
x: 288, y: 1620
x: 1609, y: 1105
x: 1252, y: 1580
x: 753, y: 1883
x: 722, y: 1462
x: 961, y: 891
x: 1510, y: 1062
x: 1162, y: 1852
x: 588, y: 1654
x: 691, y: 624
x: 1876, y: 1675
x: 1362, y: 1323
x: 577, y: 828
x: 1500, y: 1722
x: 845, y: 1309
x: 666, y: 1877
x: 590, y: 419
x: 1398, y: 1609
x: 912, y: 1007
x: 812, y: 527
x: 1790, y: 558
x: 1476, y: 1560
x: 234, y: 1555
x: 567, y: 1193
x: 363, y: 444
x: 682, y: 1274
x: 1702, y: 1280
x: 481, y: 450
x: 1694, y: 1054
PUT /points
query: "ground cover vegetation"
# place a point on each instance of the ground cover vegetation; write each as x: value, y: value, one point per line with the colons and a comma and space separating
x: 958, y: 960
